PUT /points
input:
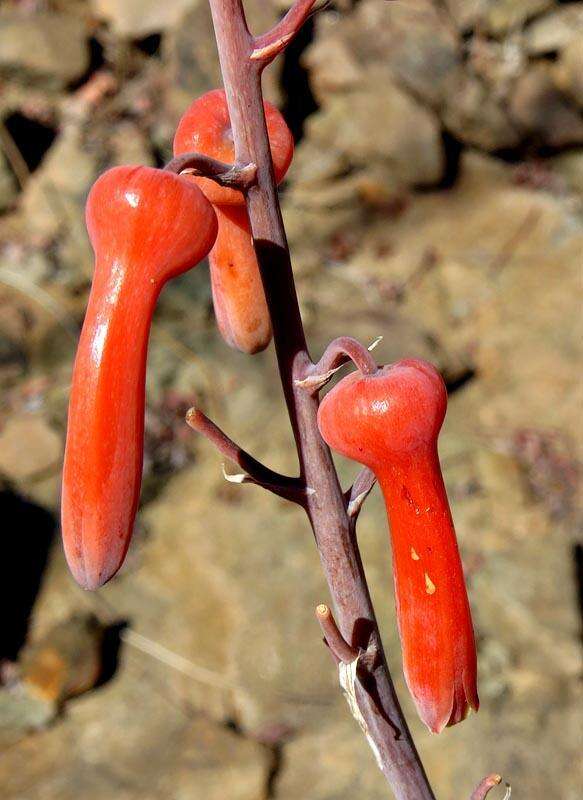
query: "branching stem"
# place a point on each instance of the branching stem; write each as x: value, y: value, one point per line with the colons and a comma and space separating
x: 338, y: 353
x: 338, y: 645
x: 326, y: 506
x: 254, y: 471
x: 233, y: 176
x: 484, y: 787
x: 274, y: 42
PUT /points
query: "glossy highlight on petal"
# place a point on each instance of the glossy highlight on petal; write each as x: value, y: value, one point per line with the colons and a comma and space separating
x: 146, y: 226
x: 390, y: 422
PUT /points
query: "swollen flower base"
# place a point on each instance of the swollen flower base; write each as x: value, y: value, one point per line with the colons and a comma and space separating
x: 389, y: 421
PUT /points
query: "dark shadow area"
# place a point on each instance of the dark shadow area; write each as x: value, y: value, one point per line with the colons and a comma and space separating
x: 578, y: 560
x: 231, y: 724
x: 275, y: 767
x: 150, y: 45
x: 456, y: 381
x: 160, y: 158
x: 361, y: 633
x: 32, y: 138
x: 452, y: 150
x: 12, y: 353
x: 110, y: 650
x: 299, y: 100
x: 28, y: 534
x: 96, y: 61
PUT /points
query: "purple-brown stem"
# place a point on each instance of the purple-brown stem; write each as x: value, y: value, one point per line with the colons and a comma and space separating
x: 255, y: 472
x: 338, y: 352
x: 233, y: 176
x: 338, y: 645
x: 325, y: 505
x: 267, y: 47
x: 485, y: 786
x: 242, y: 58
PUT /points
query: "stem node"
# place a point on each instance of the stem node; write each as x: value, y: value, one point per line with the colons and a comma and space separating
x: 274, y: 42
x: 339, y: 647
x: 254, y: 471
x: 233, y: 176
x: 339, y: 352
x: 488, y: 783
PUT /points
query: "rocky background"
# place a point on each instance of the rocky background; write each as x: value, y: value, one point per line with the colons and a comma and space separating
x: 435, y: 199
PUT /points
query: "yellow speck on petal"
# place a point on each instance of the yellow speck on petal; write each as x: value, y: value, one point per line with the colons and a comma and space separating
x: 429, y: 585
x: 414, y: 554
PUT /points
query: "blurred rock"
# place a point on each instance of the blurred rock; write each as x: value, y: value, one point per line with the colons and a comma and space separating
x: 496, y: 64
x: 498, y: 17
x: 416, y: 46
x: 48, y: 47
x: 129, y: 742
x: 414, y: 43
x: 37, y: 317
x: 333, y: 67
x: 381, y: 125
x: 191, y: 55
x: 335, y: 762
x: 569, y: 166
x: 135, y: 18
x: 129, y: 145
x: 55, y: 195
x: 29, y: 447
x: 21, y: 714
x: 8, y: 185
x: 552, y: 32
x: 484, y: 92
x: 465, y: 13
x: 478, y: 118
x: 190, y: 52
x: 369, y: 143
x: 66, y: 662
x: 217, y: 619
x: 460, y: 294
x: 543, y: 112
x: 569, y: 74
x: 503, y: 16
x: 12, y: 358
x: 416, y: 40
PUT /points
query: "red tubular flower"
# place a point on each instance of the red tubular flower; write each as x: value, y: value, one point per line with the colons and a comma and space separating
x: 239, y: 300
x: 390, y: 421
x: 146, y: 226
